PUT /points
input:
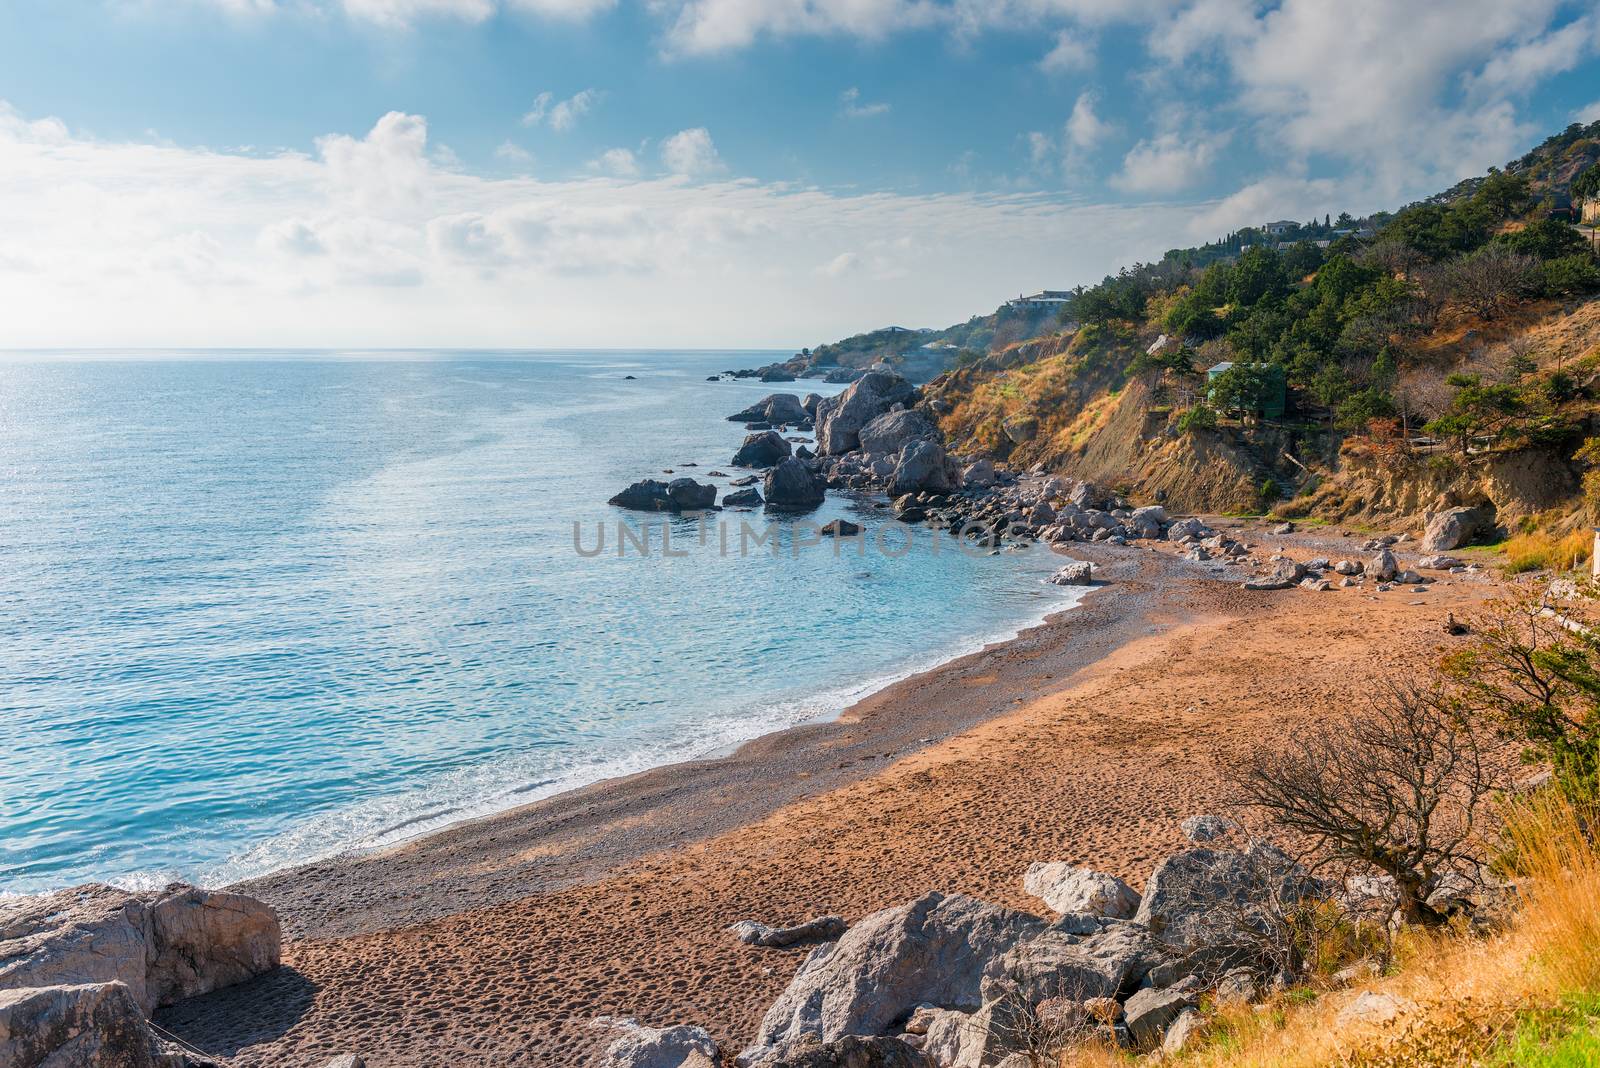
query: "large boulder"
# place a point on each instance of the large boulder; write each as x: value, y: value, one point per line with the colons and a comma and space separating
x: 163, y: 945
x: 1203, y: 899
x: 1284, y: 574
x: 1382, y: 567
x: 776, y: 408
x: 687, y: 495
x: 790, y: 486
x: 921, y: 468
x: 89, y: 1025
x: 840, y: 418
x: 749, y: 497
x: 856, y: 1052
x: 1453, y: 528
x: 980, y: 474
x: 767, y: 448
x: 892, y: 431
x: 933, y: 951
x: 1061, y: 965
x: 1149, y: 1012
x: 662, y: 1047
x: 1074, y: 573
x: 821, y: 929
x: 1068, y: 888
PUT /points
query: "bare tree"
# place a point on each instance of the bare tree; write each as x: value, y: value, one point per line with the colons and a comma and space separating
x: 1398, y: 787
x: 1490, y: 279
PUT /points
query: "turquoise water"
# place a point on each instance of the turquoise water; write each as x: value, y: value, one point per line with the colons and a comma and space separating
x: 262, y: 608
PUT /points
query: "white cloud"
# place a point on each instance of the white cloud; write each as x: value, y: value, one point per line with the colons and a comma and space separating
x: 618, y: 162
x: 561, y: 115
x: 1167, y: 163
x: 691, y: 153
x: 369, y: 241
x: 512, y: 152
x: 572, y: 10
x: 842, y: 264
x: 1588, y: 113
x: 1071, y: 53
x: 1519, y: 69
x: 716, y: 25
x: 851, y: 106
x: 404, y: 13
x: 1085, y: 129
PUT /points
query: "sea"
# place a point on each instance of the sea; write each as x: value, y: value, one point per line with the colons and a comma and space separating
x: 260, y: 608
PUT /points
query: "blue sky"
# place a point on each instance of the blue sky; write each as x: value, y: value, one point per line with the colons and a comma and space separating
x: 733, y: 172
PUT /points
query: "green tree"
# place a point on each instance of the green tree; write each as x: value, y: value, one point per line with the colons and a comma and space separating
x: 1259, y: 275
x: 1546, y: 239
x: 1571, y: 275
x: 1587, y: 184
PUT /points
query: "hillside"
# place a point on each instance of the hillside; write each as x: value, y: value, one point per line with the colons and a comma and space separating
x: 1354, y: 370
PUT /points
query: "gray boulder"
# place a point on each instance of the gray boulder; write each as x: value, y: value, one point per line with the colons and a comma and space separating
x: 809, y: 403
x: 1150, y: 1012
x: 1440, y: 563
x: 766, y: 448
x: 1284, y: 574
x: 90, y: 1025
x: 840, y: 418
x: 1203, y: 898
x: 979, y: 474
x: 687, y: 495
x: 1382, y: 567
x: 790, y: 486
x: 164, y: 945
x: 821, y: 929
x: 776, y: 408
x: 932, y: 951
x: 1207, y: 828
x: 921, y: 468
x: 854, y: 1051
x: 662, y: 1047
x: 892, y: 431
x: 1069, y: 888
x: 1452, y: 528
x: 1075, y: 573
x: 749, y: 497
x: 1061, y: 965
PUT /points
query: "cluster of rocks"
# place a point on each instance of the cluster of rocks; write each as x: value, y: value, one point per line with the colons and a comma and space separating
x: 1382, y: 568
x: 949, y: 981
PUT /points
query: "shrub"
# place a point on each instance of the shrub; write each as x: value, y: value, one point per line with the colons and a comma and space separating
x: 1570, y: 275
x: 1542, y: 551
x: 1200, y: 417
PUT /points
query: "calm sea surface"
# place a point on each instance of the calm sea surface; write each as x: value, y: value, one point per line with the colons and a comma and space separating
x: 260, y: 608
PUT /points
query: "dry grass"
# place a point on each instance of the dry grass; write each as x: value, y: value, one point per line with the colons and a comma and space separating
x: 1506, y: 999
x: 1542, y: 551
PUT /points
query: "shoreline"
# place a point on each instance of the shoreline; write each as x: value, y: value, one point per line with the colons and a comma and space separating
x: 1089, y: 738
x: 771, y: 769
x: 836, y: 703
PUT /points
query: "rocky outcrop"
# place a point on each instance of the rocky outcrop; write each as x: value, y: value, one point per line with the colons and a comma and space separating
x: 840, y: 419
x: 766, y: 448
x: 791, y: 487
x: 679, y: 495
x: 933, y: 950
x: 750, y: 497
x: 1453, y: 528
x: 163, y: 946
x: 1149, y: 1012
x: 1070, y: 888
x: 1074, y: 573
x: 1203, y: 897
x: 821, y: 929
x: 892, y: 431
x: 780, y: 409
x: 921, y: 469
x: 90, y: 1025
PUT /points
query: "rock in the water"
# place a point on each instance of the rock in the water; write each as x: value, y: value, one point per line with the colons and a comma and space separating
x: 930, y: 951
x: 809, y: 403
x: 892, y: 431
x: 745, y: 498
x: 840, y: 418
x: 1069, y: 888
x: 687, y: 495
x: 1076, y: 573
x: 921, y: 468
x: 91, y: 1025
x: 821, y: 929
x: 766, y: 448
x: 662, y: 1047
x: 1207, y: 828
x: 162, y: 945
x: 1452, y: 528
x: 854, y: 1051
x: 840, y: 528
x: 1150, y: 1012
x: 791, y: 486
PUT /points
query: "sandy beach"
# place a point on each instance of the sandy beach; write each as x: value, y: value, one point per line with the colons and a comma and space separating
x: 1088, y: 738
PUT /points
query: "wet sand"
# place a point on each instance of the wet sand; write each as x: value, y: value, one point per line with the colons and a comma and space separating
x: 1088, y: 738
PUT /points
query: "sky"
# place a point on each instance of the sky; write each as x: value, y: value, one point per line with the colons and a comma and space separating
x: 705, y: 173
